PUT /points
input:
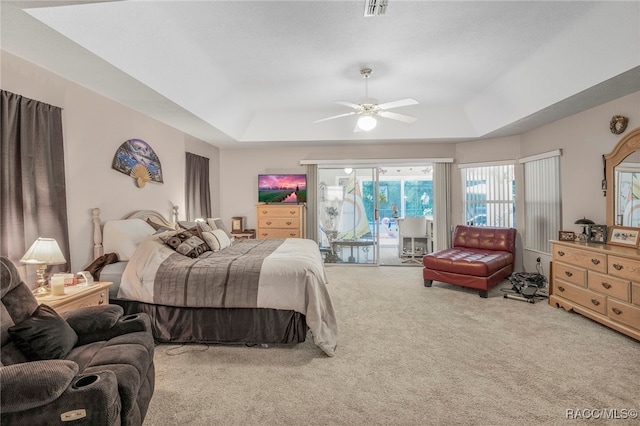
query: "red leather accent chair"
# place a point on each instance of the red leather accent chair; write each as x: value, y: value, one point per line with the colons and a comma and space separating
x: 480, y: 258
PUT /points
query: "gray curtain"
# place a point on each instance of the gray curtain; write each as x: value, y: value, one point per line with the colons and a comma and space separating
x: 312, y: 197
x: 34, y: 201
x: 197, y: 190
x: 441, y: 206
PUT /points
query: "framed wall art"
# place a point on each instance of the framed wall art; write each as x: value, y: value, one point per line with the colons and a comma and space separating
x: 624, y: 236
x: 566, y: 236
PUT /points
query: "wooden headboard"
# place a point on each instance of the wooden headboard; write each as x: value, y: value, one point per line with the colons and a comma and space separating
x: 153, y: 215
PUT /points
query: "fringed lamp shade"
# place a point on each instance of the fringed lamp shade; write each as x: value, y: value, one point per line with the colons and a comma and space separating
x: 43, y: 252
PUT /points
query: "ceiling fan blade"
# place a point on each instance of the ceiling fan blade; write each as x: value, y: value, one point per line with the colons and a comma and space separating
x: 357, y: 107
x: 336, y: 116
x: 395, y: 116
x: 399, y: 103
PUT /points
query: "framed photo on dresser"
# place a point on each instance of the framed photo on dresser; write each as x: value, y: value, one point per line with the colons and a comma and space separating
x: 598, y: 234
x: 624, y: 236
x: 237, y: 225
x: 566, y: 236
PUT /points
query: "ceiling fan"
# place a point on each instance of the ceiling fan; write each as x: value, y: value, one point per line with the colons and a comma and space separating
x: 369, y: 109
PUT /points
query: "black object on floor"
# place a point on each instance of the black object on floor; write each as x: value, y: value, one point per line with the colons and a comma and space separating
x: 527, y: 287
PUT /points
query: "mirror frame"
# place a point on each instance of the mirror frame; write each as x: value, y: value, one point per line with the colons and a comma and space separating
x: 622, y: 150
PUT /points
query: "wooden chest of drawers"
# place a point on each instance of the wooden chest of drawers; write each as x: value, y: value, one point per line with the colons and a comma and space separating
x: 280, y: 221
x: 601, y: 282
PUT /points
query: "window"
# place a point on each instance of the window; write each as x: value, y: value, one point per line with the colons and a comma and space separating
x: 410, y: 195
x: 489, y: 195
x: 542, y: 203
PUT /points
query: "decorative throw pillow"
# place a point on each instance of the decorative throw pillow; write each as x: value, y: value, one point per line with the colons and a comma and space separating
x: 223, y: 240
x: 217, y: 223
x: 211, y: 240
x: 45, y: 335
x: 204, y: 227
x: 187, y: 225
x: 185, y: 243
x: 154, y: 225
x: 205, y: 232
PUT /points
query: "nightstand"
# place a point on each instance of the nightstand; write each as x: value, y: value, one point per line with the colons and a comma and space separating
x: 243, y: 235
x: 78, y: 296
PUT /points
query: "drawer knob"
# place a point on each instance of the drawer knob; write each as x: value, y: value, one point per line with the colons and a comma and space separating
x: 560, y: 253
x: 269, y: 223
x: 595, y: 261
x: 289, y: 223
x: 264, y: 234
x: 606, y: 285
x: 560, y: 288
x: 616, y: 311
x: 595, y: 302
x: 264, y: 211
x: 292, y: 211
x: 568, y: 273
x: 617, y: 266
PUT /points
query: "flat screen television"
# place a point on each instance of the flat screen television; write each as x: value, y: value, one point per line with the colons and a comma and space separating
x: 282, y: 188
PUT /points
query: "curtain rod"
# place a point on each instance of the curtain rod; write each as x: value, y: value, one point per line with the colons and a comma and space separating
x: 377, y: 161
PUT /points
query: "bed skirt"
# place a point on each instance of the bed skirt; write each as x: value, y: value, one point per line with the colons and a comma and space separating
x: 172, y: 324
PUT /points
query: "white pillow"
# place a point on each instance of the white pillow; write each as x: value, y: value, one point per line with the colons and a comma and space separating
x: 222, y: 241
x: 123, y: 236
x: 211, y: 240
x: 217, y: 223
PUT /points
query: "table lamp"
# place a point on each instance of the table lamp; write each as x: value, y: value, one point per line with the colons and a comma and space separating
x: 43, y: 252
x: 584, y: 222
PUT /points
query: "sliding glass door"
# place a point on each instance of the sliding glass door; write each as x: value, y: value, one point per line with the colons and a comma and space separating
x: 348, y: 217
x: 360, y: 212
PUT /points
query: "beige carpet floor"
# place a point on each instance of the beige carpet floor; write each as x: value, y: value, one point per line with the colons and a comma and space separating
x: 409, y: 355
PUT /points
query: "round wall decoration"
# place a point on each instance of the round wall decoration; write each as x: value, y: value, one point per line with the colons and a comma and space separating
x: 618, y: 124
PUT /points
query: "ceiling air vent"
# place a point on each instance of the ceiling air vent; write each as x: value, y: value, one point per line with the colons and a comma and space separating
x: 375, y: 7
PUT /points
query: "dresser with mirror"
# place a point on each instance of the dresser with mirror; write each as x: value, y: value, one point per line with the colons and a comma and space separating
x: 602, y: 281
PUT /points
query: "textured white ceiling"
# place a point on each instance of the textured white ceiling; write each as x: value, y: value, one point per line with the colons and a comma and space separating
x: 255, y: 72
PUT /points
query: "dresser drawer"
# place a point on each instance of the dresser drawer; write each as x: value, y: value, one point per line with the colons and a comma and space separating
x: 605, y: 284
x: 94, y: 299
x: 278, y: 233
x: 624, y: 268
x: 635, y: 294
x: 278, y: 211
x: 583, y: 258
x: 570, y: 273
x: 589, y: 299
x: 624, y: 313
x: 279, y: 222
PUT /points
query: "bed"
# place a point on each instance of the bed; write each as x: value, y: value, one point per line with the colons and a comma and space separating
x: 253, y: 291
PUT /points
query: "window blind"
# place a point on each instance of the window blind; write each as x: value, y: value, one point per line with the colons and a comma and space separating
x: 489, y: 195
x: 542, y: 202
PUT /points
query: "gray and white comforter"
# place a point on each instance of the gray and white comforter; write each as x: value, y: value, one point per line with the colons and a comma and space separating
x: 278, y: 274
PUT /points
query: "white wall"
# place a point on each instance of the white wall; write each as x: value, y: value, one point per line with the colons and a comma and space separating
x: 583, y: 138
x: 94, y: 127
x: 240, y: 168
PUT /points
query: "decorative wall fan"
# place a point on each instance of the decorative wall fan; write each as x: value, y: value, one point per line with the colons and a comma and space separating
x: 369, y: 109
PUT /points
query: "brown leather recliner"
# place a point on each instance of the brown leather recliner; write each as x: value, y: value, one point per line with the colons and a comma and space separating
x: 90, y: 366
x: 480, y: 258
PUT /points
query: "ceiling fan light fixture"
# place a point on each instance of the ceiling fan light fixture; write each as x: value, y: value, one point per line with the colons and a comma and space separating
x: 367, y: 122
x: 375, y: 7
